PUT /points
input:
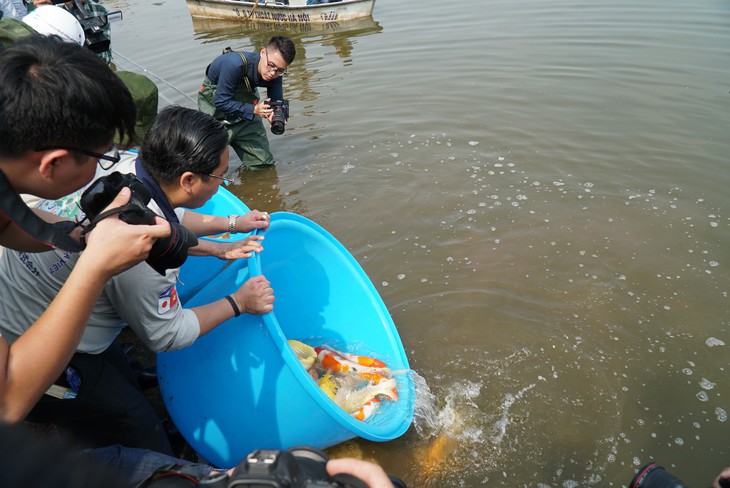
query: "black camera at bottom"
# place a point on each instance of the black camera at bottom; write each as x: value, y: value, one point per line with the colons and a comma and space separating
x: 651, y: 475
x: 298, y: 467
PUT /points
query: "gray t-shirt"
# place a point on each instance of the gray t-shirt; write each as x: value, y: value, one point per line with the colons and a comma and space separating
x: 139, y: 297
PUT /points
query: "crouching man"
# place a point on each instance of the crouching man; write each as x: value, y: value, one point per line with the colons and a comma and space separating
x: 182, y: 161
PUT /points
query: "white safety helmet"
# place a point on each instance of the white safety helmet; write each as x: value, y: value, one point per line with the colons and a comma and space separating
x: 51, y: 20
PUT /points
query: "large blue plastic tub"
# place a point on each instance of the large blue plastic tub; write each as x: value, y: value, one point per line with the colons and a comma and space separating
x: 241, y: 387
x: 198, y: 271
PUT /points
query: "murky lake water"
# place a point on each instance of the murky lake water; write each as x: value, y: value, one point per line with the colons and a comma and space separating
x: 538, y: 190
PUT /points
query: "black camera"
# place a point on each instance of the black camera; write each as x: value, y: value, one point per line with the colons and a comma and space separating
x: 281, y: 115
x: 298, y: 467
x: 651, y: 475
x: 92, y: 23
x: 168, y: 252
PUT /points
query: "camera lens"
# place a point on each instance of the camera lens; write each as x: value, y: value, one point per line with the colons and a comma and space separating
x: 281, y: 113
x: 277, y: 122
x: 172, y: 251
x: 652, y: 475
x: 277, y: 127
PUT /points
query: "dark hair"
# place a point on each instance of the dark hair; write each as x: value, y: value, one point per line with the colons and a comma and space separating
x: 285, y: 46
x: 180, y: 140
x: 55, y: 93
x: 29, y: 459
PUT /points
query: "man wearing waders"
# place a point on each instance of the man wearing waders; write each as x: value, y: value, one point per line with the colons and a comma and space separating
x: 229, y: 93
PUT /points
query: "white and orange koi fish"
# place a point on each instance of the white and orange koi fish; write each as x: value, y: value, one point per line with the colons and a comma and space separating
x: 340, y: 362
x: 352, y: 397
x: 367, y: 410
x: 373, y: 377
x: 361, y: 360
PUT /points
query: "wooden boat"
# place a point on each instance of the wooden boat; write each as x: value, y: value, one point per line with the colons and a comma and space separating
x: 293, y: 12
x: 259, y: 32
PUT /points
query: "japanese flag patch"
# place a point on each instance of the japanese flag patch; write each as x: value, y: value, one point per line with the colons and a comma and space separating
x: 167, y: 300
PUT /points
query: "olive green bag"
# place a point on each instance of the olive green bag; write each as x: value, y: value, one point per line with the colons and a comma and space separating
x: 13, y: 30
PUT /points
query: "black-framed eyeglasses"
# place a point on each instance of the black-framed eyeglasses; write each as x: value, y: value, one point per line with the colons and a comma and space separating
x: 272, y: 67
x: 226, y: 181
x: 111, y: 157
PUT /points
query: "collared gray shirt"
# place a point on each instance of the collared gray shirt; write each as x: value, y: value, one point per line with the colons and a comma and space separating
x: 139, y: 297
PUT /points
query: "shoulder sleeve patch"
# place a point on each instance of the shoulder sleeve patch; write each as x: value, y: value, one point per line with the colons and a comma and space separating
x: 167, y: 300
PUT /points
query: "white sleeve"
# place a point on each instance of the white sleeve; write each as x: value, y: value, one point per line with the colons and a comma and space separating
x: 149, y: 304
x: 8, y: 9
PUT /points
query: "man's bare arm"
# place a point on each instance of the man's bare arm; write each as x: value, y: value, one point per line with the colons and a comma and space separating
x: 37, y: 358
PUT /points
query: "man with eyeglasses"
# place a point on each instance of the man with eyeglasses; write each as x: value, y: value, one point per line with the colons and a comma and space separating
x: 183, y: 161
x: 230, y: 93
x: 55, y: 96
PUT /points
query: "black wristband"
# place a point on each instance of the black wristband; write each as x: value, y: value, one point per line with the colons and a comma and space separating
x: 236, y: 311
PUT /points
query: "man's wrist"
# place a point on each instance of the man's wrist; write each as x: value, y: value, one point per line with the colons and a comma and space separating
x: 237, y: 311
x: 232, y: 223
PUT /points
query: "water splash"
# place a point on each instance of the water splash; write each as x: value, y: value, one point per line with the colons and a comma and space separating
x: 503, y: 422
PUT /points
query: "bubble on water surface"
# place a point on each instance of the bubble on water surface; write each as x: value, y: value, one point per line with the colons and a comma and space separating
x: 707, y: 384
x: 473, y: 143
x: 721, y: 414
x: 702, y: 396
x: 713, y: 341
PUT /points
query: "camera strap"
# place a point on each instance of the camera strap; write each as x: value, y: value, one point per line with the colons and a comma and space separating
x: 88, y: 228
x: 55, y: 234
x: 245, y: 71
x: 168, y: 212
x: 245, y: 65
